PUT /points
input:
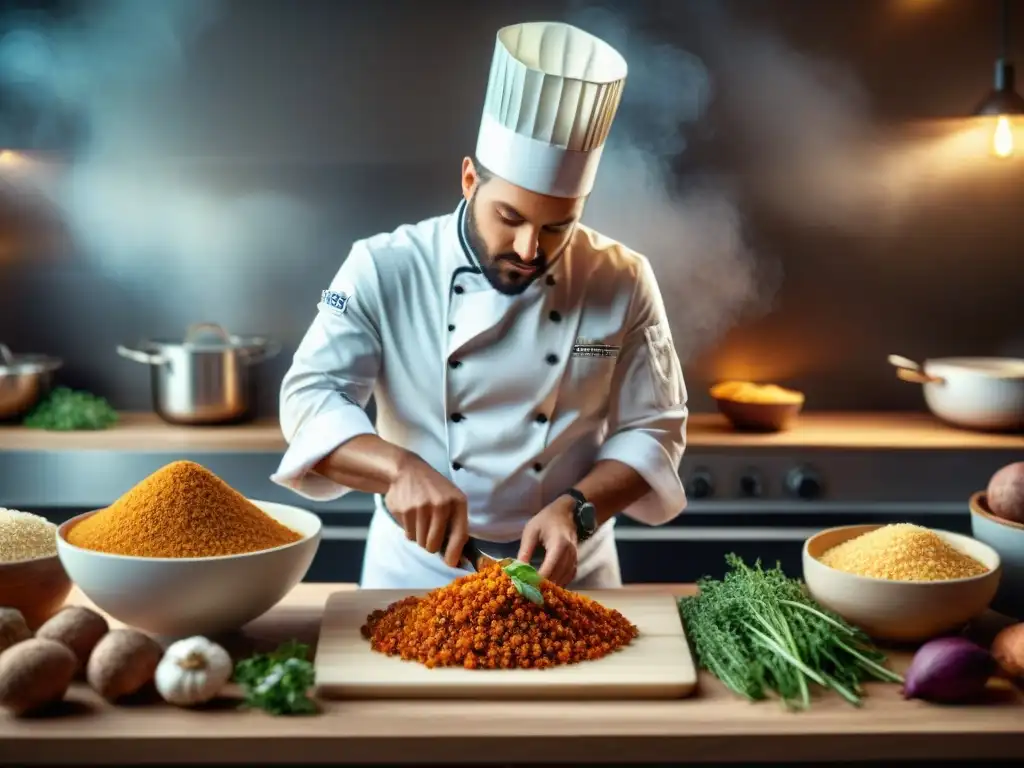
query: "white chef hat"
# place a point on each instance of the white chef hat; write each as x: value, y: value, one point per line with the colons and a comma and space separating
x: 551, y: 97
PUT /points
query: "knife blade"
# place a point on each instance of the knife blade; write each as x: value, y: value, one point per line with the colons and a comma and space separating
x: 480, y: 554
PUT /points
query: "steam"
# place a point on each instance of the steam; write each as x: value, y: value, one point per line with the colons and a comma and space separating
x: 693, y: 235
x: 795, y: 141
x: 801, y: 145
x: 810, y: 147
x: 130, y: 203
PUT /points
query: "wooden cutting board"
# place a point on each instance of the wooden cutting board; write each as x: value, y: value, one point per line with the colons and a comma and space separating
x: 656, y: 665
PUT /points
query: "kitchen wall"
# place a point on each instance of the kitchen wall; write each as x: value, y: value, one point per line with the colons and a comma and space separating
x: 792, y: 169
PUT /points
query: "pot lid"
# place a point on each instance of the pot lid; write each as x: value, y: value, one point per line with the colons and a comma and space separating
x: 992, y: 367
x: 16, y: 365
x: 209, y: 337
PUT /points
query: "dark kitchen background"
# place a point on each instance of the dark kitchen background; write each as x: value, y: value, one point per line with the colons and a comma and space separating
x: 799, y: 174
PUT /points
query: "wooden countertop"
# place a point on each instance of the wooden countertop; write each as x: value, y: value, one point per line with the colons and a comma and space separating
x: 713, y: 726
x: 145, y: 432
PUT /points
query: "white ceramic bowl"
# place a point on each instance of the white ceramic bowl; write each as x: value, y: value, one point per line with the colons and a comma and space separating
x: 179, y: 597
x: 901, y: 611
x: 985, y: 393
x: 1007, y: 538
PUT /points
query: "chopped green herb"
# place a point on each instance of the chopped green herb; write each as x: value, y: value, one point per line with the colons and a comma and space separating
x: 278, y: 682
x: 526, y: 580
x: 66, y: 410
x: 758, y: 631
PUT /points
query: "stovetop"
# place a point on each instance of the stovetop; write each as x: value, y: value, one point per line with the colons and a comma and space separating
x: 791, y: 479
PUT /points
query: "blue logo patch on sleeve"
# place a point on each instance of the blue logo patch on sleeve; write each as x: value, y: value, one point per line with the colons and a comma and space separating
x: 335, y: 301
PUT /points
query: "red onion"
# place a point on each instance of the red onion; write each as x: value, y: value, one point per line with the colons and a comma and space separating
x: 948, y: 670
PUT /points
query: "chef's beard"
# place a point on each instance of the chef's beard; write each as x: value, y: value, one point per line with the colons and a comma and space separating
x: 509, y: 282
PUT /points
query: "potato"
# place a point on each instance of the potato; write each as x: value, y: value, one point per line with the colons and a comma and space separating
x: 76, y: 627
x: 1006, y: 492
x: 1008, y: 651
x: 13, y: 628
x: 35, y: 673
x: 122, y: 663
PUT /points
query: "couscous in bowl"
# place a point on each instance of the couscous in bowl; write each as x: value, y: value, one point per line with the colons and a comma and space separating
x: 900, y: 609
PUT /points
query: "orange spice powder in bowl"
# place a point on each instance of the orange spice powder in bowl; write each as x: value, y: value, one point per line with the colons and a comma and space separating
x: 182, y: 553
x: 181, y: 510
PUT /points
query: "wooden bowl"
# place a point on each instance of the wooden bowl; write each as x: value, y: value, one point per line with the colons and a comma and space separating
x: 1007, y: 538
x: 901, y: 611
x: 37, y: 588
x: 759, y: 417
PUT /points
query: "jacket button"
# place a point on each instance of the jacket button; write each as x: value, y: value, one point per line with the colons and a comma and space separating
x: 550, y: 280
x: 458, y: 289
x: 540, y: 418
x: 552, y: 359
x: 555, y: 316
x: 454, y: 363
x: 456, y: 466
x: 538, y: 467
x: 457, y: 417
x: 451, y: 327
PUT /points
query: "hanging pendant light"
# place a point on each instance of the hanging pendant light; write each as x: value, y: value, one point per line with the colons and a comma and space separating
x: 1003, y: 102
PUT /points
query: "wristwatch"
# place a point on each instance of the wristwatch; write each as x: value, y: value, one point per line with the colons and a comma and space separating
x: 584, y: 515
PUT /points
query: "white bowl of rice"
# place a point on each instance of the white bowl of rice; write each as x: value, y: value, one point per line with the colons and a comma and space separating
x: 901, y: 582
x: 32, y: 578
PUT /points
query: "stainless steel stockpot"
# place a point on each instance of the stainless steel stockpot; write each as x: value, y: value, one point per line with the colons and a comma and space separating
x: 205, y: 378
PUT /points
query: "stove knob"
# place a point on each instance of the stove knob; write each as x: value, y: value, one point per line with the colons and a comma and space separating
x: 750, y: 485
x: 700, y: 485
x: 804, y: 483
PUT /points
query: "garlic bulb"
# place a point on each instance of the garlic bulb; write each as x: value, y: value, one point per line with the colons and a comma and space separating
x: 192, y: 671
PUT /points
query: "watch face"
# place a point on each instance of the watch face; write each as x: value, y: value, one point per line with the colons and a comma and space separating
x: 587, y: 517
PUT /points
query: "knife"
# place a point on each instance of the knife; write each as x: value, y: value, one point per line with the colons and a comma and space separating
x: 480, y: 554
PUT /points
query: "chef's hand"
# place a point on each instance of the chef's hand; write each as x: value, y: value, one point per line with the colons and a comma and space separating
x: 555, y: 528
x: 428, y: 505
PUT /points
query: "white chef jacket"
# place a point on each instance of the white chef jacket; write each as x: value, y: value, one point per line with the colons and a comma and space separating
x: 513, y: 398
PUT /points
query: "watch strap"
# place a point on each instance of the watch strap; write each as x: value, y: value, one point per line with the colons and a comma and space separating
x: 577, y: 495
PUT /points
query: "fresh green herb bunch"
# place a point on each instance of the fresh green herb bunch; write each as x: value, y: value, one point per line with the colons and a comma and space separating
x: 66, y: 410
x: 278, y: 682
x: 758, y: 631
x: 525, y: 579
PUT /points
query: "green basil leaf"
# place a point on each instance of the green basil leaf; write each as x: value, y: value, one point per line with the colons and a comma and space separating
x: 524, y: 572
x: 529, y: 591
x: 533, y: 594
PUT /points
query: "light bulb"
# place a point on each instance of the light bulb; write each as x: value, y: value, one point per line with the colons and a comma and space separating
x: 1002, y: 137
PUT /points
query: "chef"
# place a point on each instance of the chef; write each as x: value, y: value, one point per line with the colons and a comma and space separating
x: 526, y: 383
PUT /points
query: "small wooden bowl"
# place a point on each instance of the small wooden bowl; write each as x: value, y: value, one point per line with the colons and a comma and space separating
x: 37, y: 588
x: 759, y: 417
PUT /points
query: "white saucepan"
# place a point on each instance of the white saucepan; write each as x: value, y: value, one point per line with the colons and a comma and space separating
x: 984, y: 393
